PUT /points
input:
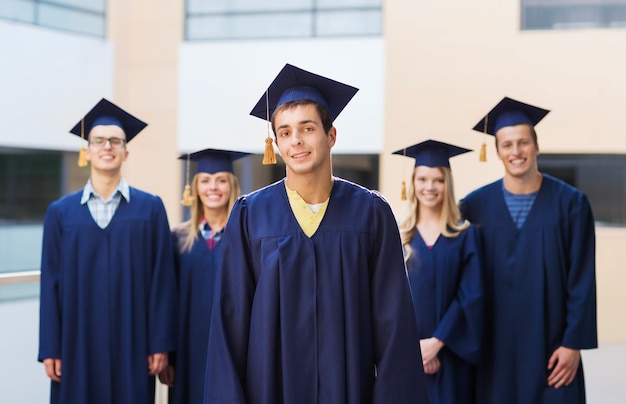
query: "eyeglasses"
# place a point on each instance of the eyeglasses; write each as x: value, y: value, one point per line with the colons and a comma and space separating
x: 100, y: 141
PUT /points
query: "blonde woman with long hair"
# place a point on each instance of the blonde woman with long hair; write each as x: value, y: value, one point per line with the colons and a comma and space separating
x: 444, y: 272
x: 211, y: 195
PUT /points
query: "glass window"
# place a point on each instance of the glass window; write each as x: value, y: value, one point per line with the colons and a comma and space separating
x: 239, y: 19
x: 28, y: 183
x: 228, y: 6
x: 17, y: 10
x: 325, y: 4
x: 340, y: 23
x: 80, y: 16
x: 573, y: 14
x: 244, y: 26
x: 601, y: 177
x: 92, y: 5
x: 71, y: 20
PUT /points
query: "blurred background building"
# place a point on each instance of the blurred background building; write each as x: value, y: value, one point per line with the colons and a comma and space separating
x: 194, y: 69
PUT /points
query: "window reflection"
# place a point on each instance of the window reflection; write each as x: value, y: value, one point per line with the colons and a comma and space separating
x: 573, y: 14
x: 79, y: 16
x: 246, y: 19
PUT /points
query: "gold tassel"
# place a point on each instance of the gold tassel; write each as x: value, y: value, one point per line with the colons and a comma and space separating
x: 483, y: 148
x: 483, y: 153
x: 403, y: 189
x: 187, y: 199
x: 82, y: 160
x: 269, y: 157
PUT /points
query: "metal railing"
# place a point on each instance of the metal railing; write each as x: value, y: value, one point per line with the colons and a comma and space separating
x: 10, y: 278
x: 13, y: 278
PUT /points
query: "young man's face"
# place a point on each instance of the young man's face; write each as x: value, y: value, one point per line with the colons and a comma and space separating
x: 301, y: 140
x: 517, y: 150
x: 107, y: 148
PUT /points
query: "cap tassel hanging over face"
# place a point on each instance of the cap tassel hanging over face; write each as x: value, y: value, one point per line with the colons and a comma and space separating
x: 483, y: 148
x: 82, y: 158
x: 269, y: 157
x: 403, y: 191
x: 187, y: 198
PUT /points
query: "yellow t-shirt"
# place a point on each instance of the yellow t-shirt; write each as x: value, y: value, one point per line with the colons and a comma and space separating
x: 308, y: 220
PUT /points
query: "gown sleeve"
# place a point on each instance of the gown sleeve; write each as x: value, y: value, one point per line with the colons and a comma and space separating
x: 230, y: 322
x: 399, y: 370
x: 581, y: 326
x: 461, y: 325
x: 50, y: 307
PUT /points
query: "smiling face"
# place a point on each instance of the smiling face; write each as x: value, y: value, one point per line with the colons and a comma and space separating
x: 301, y: 140
x: 105, y: 157
x: 518, y: 150
x: 430, y: 187
x: 213, y: 189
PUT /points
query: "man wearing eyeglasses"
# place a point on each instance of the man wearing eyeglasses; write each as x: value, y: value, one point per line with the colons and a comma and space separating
x: 108, y: 296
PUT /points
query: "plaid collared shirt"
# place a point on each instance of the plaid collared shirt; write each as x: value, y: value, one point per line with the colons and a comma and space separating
x: 102, y: 211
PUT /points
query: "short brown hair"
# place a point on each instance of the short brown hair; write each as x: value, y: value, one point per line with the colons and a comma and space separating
x: 327, y: 121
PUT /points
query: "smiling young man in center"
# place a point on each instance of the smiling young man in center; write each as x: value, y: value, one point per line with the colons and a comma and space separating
x: 313, y: 304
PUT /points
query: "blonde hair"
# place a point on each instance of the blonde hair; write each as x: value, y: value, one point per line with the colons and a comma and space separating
x: 451, y: 225
x: 188, y: 230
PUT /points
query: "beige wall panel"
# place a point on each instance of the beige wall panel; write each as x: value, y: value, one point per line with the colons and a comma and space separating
x: 147, y: 36
x: 611, y: 280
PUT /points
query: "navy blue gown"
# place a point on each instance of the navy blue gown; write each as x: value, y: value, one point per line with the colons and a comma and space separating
x: 540, y: 291
x: 326, y: 319
x: 196, y: 271
x: 108, y: 299
x: 447, y: 296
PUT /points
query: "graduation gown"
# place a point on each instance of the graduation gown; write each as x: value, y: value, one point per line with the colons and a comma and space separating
x: 446, y: 282
x: 540, y: 291
x: 326, y: 319
x: 108, y: 298
x: 196, y: 271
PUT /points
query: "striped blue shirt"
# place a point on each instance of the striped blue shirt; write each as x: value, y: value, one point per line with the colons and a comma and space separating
x: 519, y: 205
x: 102, y: 211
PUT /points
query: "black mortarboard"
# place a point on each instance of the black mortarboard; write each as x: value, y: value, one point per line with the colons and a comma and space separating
x: 510, y: 112
x: 209, y: 161
x: 293, y: 83
x: 107, y: 113
x: 432, y: 153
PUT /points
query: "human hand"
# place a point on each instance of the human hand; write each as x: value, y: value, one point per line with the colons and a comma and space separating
x: 156, y: 363
x: 53, y: 368
x: 167, y: 376
x: 563, y: 365
x: 430, y: 348
x: 432, y: 366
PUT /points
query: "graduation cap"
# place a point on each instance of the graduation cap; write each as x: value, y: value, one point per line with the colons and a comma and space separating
x: 508, y: 112
x: 294, y: 84
x: 106, y: 113
x: 209, y: 161
x: 430, y: 153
